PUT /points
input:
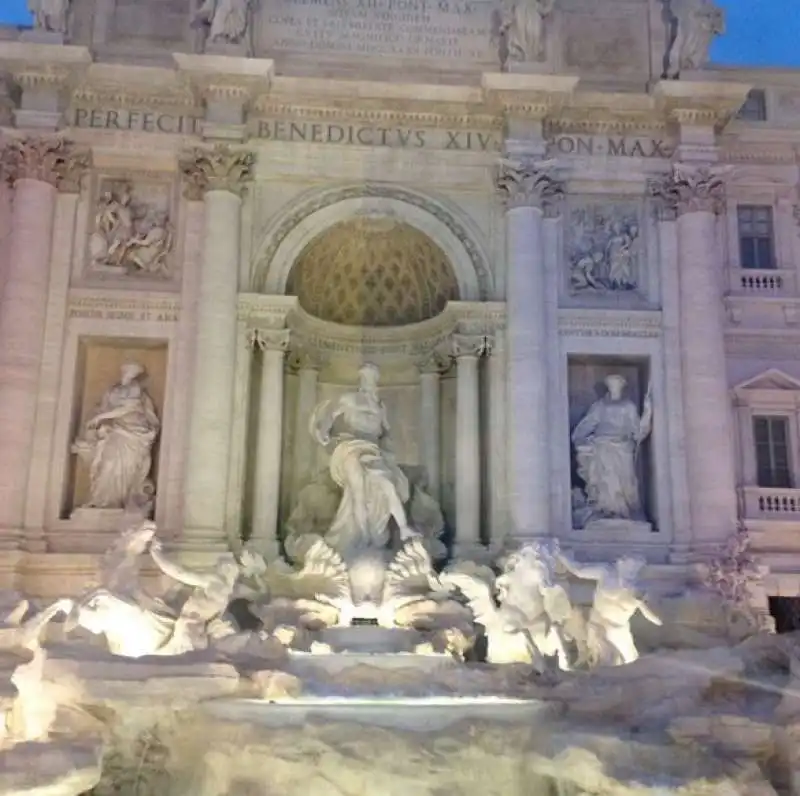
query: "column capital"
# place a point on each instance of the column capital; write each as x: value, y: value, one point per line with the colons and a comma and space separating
x: 305, y: 358
x: 215, y: 169
x: 434, y: 361
x: 469, y: 346
x: 690, y: 189
x: 528, y: 182
x: 49, y: 159
x: 269, y: 339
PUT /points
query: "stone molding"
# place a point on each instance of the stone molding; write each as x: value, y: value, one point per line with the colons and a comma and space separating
x: 610, y: 323
x: 690, y: 189
x: 49, y: 159
x: 302, y: 358
x: 526, y: 182
x: 215, y: 169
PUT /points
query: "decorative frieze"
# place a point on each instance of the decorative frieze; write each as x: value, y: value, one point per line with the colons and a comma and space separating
x: 527, y: 183
x: 47, y: 159
x: 690, y: 189
x: 217, y: 169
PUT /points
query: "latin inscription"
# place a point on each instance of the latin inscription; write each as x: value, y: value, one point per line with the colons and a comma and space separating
x: 433, y: 29
x: 589, y: 145
x: 373, y: 135
x: 112, y: 314
x: 136, y: 121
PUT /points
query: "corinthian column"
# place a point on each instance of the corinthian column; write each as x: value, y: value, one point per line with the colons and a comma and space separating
x: 218, y: 177
x: 267, y: 491
x: 466, y: 351
x: 430, y: 371
x: 526, y: 189
x: 37, y: 168
x: 696, y: 195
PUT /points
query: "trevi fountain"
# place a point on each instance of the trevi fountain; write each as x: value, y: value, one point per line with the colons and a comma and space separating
x: 397, y: 398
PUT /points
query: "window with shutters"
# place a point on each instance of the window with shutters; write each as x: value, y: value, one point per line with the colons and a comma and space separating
x: 771, y: 437
x: 756, y: 240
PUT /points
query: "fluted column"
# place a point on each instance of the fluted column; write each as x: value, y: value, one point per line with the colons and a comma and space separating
x: 696, y: 195
x: 526, y: 189
x: 467, y: 350
x: 267, y: 489
x: 218, y: 176
x: 38, y: 168
x: 308, y: 364
x: 430, y: 448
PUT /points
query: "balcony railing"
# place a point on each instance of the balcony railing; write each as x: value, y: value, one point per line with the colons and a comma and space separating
x: 767, y: 503
x: 757, y: 282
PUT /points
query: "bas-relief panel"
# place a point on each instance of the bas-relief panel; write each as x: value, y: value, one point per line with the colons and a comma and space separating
x: 614, y: 41
x: 605, y: 254
x: 130, y: 230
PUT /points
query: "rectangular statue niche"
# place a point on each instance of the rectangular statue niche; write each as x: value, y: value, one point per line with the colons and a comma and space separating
x: 610, y: 423
x: 118, y: 406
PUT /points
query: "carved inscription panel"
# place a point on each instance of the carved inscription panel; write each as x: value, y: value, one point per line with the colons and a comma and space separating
x: 440, y: 30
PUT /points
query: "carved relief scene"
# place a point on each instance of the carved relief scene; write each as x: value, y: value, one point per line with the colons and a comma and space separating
x: 131, y: 231
x: 604, y: 248
x: 611, y: 420
x: 114, y: 444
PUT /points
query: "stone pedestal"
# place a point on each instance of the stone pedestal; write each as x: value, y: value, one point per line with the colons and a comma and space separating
x: 218, y: 176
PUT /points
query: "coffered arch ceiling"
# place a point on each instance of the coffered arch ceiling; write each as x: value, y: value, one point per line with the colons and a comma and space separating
x: 374, y: 271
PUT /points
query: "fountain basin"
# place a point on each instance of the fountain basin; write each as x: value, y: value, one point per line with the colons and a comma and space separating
x: 370, y: 639
x: 419, y: 714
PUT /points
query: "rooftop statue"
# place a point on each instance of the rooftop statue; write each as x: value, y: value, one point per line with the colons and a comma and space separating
x: 227, y: 20
x: 50, y: 15
x: 693, y: 24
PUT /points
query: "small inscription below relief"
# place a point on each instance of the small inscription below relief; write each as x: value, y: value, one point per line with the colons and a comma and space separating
x: 115, y: 314
x: 428, y: 29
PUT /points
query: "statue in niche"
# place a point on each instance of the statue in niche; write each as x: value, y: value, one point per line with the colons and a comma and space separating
x: 604, y: 252
x: 116, y: 443
x: 607, y: 441
x: 226, y: 20
x: 49, y: 15
x: 607, y: 639
x: 353, y: 504
x: 521, y: 29
x: 692, y: 26
x: 129, y: 237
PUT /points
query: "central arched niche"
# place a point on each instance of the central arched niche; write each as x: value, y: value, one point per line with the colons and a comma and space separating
x: 373, y: 271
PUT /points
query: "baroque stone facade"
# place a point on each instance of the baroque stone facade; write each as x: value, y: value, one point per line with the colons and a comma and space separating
x: 249, y: 226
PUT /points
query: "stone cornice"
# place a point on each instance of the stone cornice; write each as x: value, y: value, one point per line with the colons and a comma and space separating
x: 260, y: 310
x: 700, y: 103
x: 527, y: 96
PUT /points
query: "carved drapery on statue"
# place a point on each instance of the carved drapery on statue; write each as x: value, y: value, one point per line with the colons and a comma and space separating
x: 50, y: 16
x: 522, y: 30
x: 607, y: 441
x: 692, y: 26
x: 353, y: 504
x: 116, y: 443
x: 225, y: 21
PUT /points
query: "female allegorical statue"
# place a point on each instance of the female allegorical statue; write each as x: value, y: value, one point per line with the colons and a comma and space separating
x: 116, y: 443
